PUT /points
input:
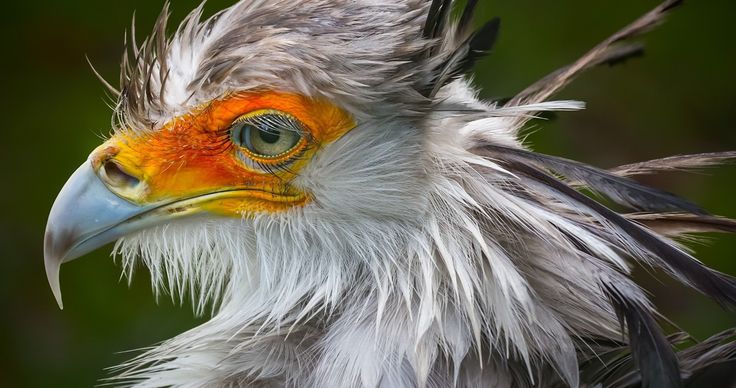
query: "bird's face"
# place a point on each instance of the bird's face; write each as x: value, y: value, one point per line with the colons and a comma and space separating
x: 253, y: 114
x: 235, y: 157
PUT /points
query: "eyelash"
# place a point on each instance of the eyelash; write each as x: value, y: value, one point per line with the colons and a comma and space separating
x: 271, y: 119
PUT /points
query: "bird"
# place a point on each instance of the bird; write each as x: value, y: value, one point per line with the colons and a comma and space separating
x: 322, y: 180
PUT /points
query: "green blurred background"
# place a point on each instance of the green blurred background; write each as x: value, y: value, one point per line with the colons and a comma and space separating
x: 678, y: 99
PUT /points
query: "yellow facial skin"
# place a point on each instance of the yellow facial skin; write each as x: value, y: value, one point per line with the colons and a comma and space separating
x: 194, y: 157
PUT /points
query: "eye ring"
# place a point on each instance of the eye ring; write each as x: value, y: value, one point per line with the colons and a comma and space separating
x: 268, y: 136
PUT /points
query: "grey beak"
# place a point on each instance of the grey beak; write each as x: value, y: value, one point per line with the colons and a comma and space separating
x: 86, y: 215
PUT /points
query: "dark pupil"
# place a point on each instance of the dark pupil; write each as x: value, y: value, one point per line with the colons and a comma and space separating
x: 269, y: 137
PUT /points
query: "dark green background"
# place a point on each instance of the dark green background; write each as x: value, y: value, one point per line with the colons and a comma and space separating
x: 678, y: 99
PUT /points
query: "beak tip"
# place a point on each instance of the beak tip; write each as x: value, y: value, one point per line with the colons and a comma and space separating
x: 53, y: 258
x: 55, y: 288
x: 84, y: 216
x: 53, y: 267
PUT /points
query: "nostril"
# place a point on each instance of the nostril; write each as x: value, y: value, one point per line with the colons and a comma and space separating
x: 117, y: 177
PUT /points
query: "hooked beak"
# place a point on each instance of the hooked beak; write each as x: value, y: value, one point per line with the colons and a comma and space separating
x: 85, y: 216
x: 88, y: 214
x: 91, y: 211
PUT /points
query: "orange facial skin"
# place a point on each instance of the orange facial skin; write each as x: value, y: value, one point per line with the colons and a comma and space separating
x: 193, y: 155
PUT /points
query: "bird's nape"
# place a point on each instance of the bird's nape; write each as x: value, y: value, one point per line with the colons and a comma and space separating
x: 322, y: 175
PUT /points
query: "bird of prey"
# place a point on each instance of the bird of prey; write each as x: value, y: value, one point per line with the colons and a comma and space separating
x: 322, y: 178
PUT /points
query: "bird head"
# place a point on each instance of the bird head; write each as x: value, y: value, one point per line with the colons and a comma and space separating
x: 254, y: 135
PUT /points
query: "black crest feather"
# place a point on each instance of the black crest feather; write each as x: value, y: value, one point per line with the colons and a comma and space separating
x: 465, y: 23
x: 462, y: 55
x: 437, y: 18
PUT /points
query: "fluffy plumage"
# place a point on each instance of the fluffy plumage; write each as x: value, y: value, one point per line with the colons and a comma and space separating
x: 437, y: 250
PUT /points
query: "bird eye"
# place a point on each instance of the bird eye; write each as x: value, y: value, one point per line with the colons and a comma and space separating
x: 267, y: 135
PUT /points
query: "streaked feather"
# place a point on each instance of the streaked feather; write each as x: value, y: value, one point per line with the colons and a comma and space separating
x: 674, y: 224
x: 606, y: 52
x: 676, y: 163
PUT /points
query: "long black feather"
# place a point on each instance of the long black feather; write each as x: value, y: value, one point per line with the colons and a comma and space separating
x: 437, y: 18
x: 719, y: 286
x: 466, y: 54
x: 481, y: 43
x: 465, y: 23
x: 623, y: 191
x: 651, y: 351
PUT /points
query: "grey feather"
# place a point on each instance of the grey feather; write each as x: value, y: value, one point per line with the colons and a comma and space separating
x: 676, y: 163
x: 607, y: 51
x: 674, y: 224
